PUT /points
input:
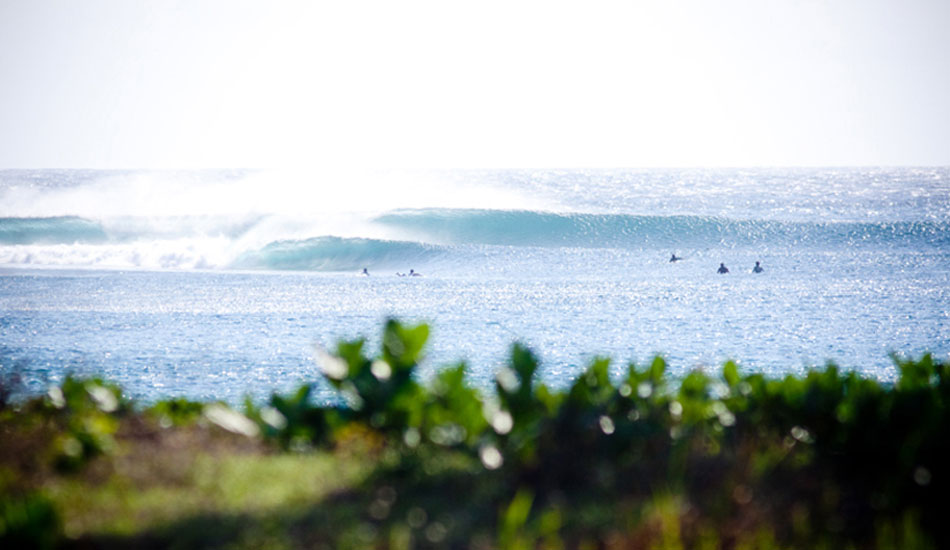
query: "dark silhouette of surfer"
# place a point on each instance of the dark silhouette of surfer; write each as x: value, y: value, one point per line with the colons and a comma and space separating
x: 366, y: 273
x: 757, y: 268
x: 723, y: 268
x: 414, y: 274
x: 674, y: 258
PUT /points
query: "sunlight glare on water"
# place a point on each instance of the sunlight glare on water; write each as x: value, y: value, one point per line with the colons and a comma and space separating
x: 857, y: 266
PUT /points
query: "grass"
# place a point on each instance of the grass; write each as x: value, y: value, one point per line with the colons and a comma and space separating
x: 244, y: 484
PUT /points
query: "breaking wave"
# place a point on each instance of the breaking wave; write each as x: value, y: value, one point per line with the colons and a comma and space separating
x: 531, y: 228
x: 55, y: 230
x: 337, y: 254
x: 409, y: 237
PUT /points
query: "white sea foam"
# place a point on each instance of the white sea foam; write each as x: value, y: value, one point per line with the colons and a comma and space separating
x: 186, y: 253
x: 220, y: 219
x: 208, y: 219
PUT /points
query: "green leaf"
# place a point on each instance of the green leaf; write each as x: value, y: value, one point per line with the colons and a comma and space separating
x: 730, y: 373
x: 403, y: 345
x: 524, y: 363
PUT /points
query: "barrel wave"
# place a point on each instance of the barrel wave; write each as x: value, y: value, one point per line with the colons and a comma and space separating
x: 586, y: 230
x: 53, y: 230
x: 337, y: 254
x: 415, y: 237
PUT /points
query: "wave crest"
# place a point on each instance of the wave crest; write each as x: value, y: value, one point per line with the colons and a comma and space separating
x: 403, y: 238
x: 337, y: 254
x: 54, y: 230
x: 545, y: 229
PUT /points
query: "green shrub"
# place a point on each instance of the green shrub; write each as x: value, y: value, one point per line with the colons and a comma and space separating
x: 849, y: 453
x: 176, y: 412
x: 85, y: 411
x: 828, y: 459
x: 27, y: 521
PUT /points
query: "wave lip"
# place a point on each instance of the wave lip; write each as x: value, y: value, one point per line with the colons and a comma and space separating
x: 543, y: 229
x: 52, y: 230
x: 330, y: 253
x: 547, y: 229
x: 405, y: 238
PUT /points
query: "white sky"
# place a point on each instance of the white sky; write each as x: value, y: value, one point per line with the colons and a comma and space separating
x: 227, y: 84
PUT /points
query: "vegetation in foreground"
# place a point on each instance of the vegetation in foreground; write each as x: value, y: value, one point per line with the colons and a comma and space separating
x: 828, y: 460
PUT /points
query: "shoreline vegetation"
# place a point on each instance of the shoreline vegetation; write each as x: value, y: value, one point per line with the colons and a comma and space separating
x: 731, y: 461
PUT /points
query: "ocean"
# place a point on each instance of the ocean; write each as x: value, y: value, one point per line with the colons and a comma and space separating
x: 220, y: 284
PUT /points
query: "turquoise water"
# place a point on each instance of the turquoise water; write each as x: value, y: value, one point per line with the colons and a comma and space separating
x: 101, y: 274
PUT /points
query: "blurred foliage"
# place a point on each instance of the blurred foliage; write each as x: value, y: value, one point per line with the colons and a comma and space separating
x: 738, y: 460
x: 27, y: 521
x: 830, y: 458
x: 176, y: 412
x: 85, y: 413
x: 11, y: 385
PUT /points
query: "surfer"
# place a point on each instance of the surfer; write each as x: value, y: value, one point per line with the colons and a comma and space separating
x: 723, y: 269
x: 673, y: 258
x: 757, y: 268
x: 365, y: 273
x: 414, y: 274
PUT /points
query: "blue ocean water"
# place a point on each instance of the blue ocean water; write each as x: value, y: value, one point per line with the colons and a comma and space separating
x: 215, y: 284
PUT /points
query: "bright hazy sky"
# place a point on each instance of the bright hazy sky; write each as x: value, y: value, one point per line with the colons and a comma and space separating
x: 229, y: 83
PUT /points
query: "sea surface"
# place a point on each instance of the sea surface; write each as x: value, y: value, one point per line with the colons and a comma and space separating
x: 220, y: 284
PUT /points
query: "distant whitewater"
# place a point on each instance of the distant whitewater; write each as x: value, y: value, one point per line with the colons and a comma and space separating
x: 214, y: 284
x: 423, y: 235
x: 272, y: 221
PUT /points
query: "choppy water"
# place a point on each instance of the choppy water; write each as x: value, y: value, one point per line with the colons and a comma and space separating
x: 216, y: 284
